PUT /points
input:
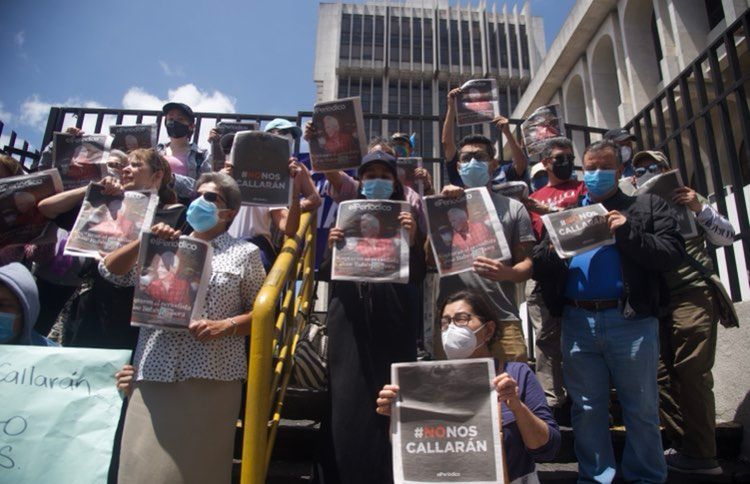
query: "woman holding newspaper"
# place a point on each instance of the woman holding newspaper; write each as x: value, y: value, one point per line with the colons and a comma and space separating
x: 188, y: 382
x: 530, y: 433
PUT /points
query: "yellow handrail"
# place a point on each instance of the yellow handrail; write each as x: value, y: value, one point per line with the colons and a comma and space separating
x: 274, y: 333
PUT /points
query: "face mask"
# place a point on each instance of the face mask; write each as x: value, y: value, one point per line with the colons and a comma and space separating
x: 562, y: 167
x: 625, y: 153
x: 202, y: 215
x: 6, y: 326
x: 401, y: 151
x: 539, y: 182
x: 459, y: 341
x: 599, y: 182
x: 377, y: 189
x: 175, y: 129
x: 474, y: 173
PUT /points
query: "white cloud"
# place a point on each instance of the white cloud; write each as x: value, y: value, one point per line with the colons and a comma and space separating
x: 20, y: 38
x: 34, y: 111
x: 214, y: 102
x: 5, y: 116
x: 171, y: 70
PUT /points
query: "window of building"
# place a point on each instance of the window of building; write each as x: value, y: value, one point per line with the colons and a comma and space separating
x: 657, y: 44
x: 427, y: 98
x: 377, y: 96
x: 503, y: 100
x: 513, y: 99
x: 492, y: 41
x: 455, y: 53
x: 444, y: 43
x: 365, y: 94
x: 465, y: 43
x: 417, y: 42
x: 346, y: 32
x: 395, y: 47
x: 393, y: 97
x: 379, y: 37
x: 427, y: 27
x: 356, y: 37
x: 367, y: 45
x: 503, y: 39
x: 476, y: 41
x: 354, y: 86
x: 405, y: 39
x: 404, y: 102
x: 513, y: 46
x: 416, y: 97
x: 524, y: 48
x: 714, y: 11
x: 343, y: 87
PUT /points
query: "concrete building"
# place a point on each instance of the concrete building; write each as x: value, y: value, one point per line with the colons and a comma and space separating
x: 402, y: 57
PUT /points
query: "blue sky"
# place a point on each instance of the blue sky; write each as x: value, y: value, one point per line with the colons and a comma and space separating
x: 246, y: 56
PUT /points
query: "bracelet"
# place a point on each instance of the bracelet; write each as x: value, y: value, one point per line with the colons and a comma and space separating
x: 234, y: 326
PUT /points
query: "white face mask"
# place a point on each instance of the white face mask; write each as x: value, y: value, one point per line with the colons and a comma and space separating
x: 625, y: 153
x: 459, y: 341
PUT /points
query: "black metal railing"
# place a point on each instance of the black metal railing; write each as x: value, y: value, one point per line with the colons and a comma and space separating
x: 18, y: 148
x: 697, y: 120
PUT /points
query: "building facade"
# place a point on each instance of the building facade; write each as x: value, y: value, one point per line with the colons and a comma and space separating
x: 402, y: 58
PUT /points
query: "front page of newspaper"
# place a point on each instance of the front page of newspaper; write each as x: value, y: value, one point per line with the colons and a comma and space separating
x: 127, y: 138
x: 578, y: 230
x: 20, y: 220
x: 80, y: 159
x: 664, y: 186
x: 477, y: 103
x: 338, y: 141
x: 544, y: 123
x: 261, y: 168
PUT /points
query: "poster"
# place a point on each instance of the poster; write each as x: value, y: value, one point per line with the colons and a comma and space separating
x: 664, y: 186
x: 464, y: 228
x: 172, y: 283
x: 261, y: 168
x: 20, y: 221
x: 544, y: 123
x: 59, y: 413
x: 578, y: 230
x: 405, y: 168
x: 477, y: 102
x: 512, y: 189
x: 446, y: 425
x: 127, y: 138
x: 338, y: 141
x: 228, y: 127
x: 376, y: 247
x: 80, y: 159
x: 107, y: 222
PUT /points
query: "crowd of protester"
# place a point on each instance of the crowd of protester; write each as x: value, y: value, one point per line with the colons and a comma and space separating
x: 637, y: 316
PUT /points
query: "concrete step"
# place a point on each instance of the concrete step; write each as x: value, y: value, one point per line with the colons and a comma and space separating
x: 734, y: 471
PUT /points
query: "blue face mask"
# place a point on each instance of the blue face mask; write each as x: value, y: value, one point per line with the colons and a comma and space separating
x: 600, y: 182
x: 377, y: 189
x: 202, y: 215
x: 474, y: 174
x: 6, y: 326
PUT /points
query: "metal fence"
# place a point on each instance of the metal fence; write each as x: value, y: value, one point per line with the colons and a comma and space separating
x: 17, y: 148
x: 701, y: 122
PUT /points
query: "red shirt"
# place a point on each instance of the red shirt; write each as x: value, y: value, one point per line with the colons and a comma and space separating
x: 477, y: 233
x: 381, y: 249
x: 561, y: 196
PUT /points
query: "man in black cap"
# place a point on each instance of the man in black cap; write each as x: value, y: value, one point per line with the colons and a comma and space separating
x: 179, y: 121
x: 624, y: 140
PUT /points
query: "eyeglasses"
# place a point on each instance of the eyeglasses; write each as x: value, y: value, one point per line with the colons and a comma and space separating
x: 459, y: 319
x: 652, y: 168
x: 212, y: 197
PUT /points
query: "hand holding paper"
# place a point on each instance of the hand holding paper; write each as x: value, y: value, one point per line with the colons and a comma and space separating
x: 385, y: 400
x: 687, y: 196
x: 615, y: 220
x: 407, y: 221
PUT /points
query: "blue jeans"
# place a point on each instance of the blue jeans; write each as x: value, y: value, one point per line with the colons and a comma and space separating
x: 597, y: 346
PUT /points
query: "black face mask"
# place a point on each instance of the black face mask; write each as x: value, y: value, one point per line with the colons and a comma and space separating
x: 175, y: 129
x: 562, y: 167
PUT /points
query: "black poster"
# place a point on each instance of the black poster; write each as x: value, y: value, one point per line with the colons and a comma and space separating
x: 261, y: 168
x: 577, y: 230
x: 228, y: 127
x: 446, y: 424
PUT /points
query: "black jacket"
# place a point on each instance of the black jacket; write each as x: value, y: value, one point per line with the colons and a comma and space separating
x: 649, y: 245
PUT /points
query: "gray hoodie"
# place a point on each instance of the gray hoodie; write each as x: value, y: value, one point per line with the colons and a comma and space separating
x: 20, y: 281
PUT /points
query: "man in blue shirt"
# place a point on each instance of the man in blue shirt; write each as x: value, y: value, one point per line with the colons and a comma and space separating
x: 609, y: 299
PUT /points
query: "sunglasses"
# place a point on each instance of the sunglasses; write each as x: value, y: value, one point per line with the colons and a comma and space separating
x: 563, y: 159
x: 653, y: 168
x: 212, y: 197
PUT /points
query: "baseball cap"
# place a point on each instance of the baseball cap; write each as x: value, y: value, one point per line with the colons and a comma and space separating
x: 284, y: 125
x: 378, y: 157
x: 184, y: 108
x: 656, y: 155
x: 537, y: 168
x: 619, y: 134
x: 402, y: 137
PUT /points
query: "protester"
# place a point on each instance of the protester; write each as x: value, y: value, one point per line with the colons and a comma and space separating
x: 539, y: 178
x: 625, y: 145
x: 561, y: 192
x: 468, y: 326
x: 98, y: 314
x: 189, y: 383
x: 179, y: 121
x: 609, y: 299
x: 19, y: 307
x: 492, y: 277
x: 515, y: 171
x: 370, y: 326
x: 688, y: 334
x: 116, y: 162
x: 403, y: 144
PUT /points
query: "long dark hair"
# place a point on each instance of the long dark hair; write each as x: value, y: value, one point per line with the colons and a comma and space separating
x: 479, y: 304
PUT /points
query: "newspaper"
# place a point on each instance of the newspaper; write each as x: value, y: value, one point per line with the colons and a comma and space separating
x: 228, y: 127
x: 338, y: 141
x: 261, y: 168
x: 445, y: 425
x: 464, y: 228
x: 664, y: 185
x: 20, y: 220
x: 127, y: 138
x: 544, y: 123
x: 477, y: 103
x: 512, y: 189
x: 405, y: 168
x: 578, y: 230
x: 107, y: 222
x: 80, y: 159
x: 172, y: 282
x: 376, y: 247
